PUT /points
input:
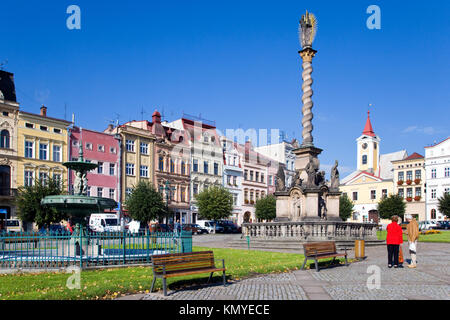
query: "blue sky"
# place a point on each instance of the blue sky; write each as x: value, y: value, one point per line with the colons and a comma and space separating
x: 236, y: 62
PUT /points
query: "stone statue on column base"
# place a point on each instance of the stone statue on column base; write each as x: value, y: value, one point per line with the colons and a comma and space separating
x: 335, y: 177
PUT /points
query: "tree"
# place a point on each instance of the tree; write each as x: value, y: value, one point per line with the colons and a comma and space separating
x: 29, y: 206
x: 145, y: 204
x: 214, y: 203
x: 390, y: 206
x: 345, y: 207
x: 444, y: 204
x: 266, y: 208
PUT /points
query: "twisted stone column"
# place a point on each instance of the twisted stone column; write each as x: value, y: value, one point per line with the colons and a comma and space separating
x: 307, y: 54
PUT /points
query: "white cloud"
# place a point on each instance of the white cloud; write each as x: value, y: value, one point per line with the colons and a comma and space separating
x: 421, y: 129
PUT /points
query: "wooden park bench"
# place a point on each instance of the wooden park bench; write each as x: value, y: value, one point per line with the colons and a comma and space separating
x: 322, y: 250
x: 180, y: 264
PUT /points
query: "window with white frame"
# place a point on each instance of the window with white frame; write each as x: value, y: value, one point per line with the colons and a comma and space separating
x: 28, y: 178
x: 143, y: 171
x: 433, y: 173
x: 373, y: 194
x: 129, y: 145
x: 144, y: 148
x: 129, y: 169
x: 100, y: 168
x: 43, y: 177
x: 99, y: 192
x: 112, y: 169
x: 101, y: 148
x: 43, y: 151
x: 112, y: 193
x: 447, y: 172
x: 29, y: 146
x: 112, y: 150
x: 57, y: 153
x: 57, y: 177
x: 433, y: 193
x: 88, y: 146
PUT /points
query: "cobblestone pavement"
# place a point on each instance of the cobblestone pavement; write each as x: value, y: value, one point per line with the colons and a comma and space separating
x: 430, y: 280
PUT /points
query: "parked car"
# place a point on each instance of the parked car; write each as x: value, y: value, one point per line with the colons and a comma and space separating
x: 162, y: 227
x: 13, y: 225
x: 194, y: 228
x: 52, y: 229
x: 442, y: 225
x: 229, y: 226
x: 209, y: 226
x: 426, y: 225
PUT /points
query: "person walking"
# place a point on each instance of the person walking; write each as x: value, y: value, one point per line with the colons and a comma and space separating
x: 394, y: 239
x: 412, y: 231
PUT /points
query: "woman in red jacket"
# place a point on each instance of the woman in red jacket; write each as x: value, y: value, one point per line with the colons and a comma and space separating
x: 393, y: 240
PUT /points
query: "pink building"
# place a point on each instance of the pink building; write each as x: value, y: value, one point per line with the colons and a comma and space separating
x: 102, y: 149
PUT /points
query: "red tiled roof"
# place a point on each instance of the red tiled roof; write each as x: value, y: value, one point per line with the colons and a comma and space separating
x: 415, y: 155
x: 368, y: 131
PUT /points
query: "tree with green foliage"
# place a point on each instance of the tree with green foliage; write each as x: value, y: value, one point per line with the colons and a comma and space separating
x: 345, y: 207
x: 29, y: 206
x: 214, y: 203
x: 390, y: 206
x: 266, y: 208
x: 444, y: 204
x: 145, y: 204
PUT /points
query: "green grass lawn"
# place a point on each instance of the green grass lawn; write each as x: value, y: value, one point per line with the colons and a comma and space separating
x: 444, y: 236
x: 110, y: 283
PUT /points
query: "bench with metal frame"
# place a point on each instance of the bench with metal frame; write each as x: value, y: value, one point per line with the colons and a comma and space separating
x: 180, y: 264
x: 322, y: 250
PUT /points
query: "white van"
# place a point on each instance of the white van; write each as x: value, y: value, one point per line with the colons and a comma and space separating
x: 104, y: 222
x: 209, y: 225
x: 13, y: 225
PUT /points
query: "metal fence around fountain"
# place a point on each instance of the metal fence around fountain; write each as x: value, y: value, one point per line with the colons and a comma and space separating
x: 88, y: 249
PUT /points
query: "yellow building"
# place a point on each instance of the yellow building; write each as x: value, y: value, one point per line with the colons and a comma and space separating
x: 409, y: 182
x: 373, y: 178
x: 42, y: 148
x: 137, y: 155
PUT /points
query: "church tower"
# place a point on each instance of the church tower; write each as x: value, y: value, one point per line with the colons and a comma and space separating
x: 368, y: 149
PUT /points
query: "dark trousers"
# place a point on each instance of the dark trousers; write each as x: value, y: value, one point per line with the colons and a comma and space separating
x: 393, y: 250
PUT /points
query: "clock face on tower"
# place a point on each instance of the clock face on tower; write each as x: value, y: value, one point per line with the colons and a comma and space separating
x: 364, y: 146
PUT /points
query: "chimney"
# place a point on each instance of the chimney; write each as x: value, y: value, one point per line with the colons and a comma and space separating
x: 43, y: 111
x: 156, y: 117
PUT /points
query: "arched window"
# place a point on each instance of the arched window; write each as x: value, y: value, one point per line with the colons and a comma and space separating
x: 4, y: 143
x: 364, y: 159
x: 161, y: 164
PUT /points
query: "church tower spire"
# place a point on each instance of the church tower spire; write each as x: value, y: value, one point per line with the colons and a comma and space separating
x: 368, y: 130
x: 368, y: 156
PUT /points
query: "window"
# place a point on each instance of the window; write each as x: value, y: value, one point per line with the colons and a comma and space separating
x: 57, y: 153
x: 257, y: 176
x: 43, y: 177
x: 364, y: 159
x: 101, y: 148
x: 418, y: 174
x: 373, y: 194
x: 161, y: 164
x: 100, y: 192
x: 195, y: 167
x: 401, y: 192
x: 4, y: 143
x: 409, y: 192
x: 216, y: 169
x: 183, y: 168
x: 100, y: 168
x: 143, y: 171
x: 112, y: 150
x: 262, y: 177
x: 28, y: 178
x: 245, y: 175
x: 234, y: 180
x: 433, y: 213
x: 29, y: 125
x: 129, y: 145
x: 355, y: 196
x: 251, y: 175
x: 112, y: 193
x: 183, y: 194
x: 129, y: 168
x: 270, y: 181
x: 57, y: 178
x: 433, y: 173
x: 447, y: 172
x: 55, y: 130
x: 144, y: 148
x: 43, y: 151
x: 205, y: 167
x: 5, y: 113
x: 44, y: 128
x: 401, y: 176
x: 447, y: 190
x: 112, y: 169
x: 418, y: 192
x: 384, y: 193
x: 235, y: 198
x: 433, y: 193
x: 172, y: 166
x: 409, y: 175
x: 128, y: 192
x: 246, y: 195
x: 29, y: 149
x: 88, y: 191
x: 195, y: 188
x: 228, y: 180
